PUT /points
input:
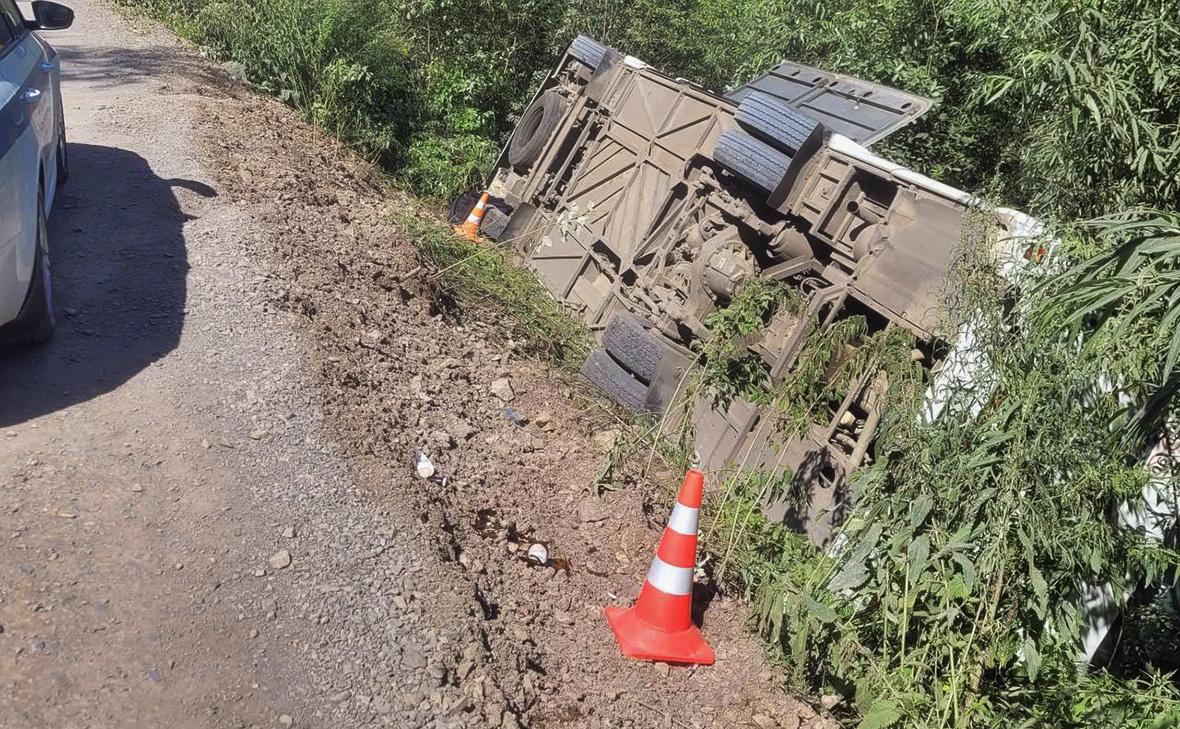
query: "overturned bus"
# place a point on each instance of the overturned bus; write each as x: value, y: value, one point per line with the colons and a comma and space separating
x: 645, y: 202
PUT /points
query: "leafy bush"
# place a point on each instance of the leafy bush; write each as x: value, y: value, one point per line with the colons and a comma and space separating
x: 956, y: 598
x: 336, y: 61
x: 1066, y: 107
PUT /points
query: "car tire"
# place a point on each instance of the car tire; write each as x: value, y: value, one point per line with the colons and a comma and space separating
x: 39, y: 307
x: 755, y: 162
x: 587, y: 50
x: 63, y: 156
x: 637, y: 349
x: 537, y: 124
x: 610, y: 377
x: 775, y: 122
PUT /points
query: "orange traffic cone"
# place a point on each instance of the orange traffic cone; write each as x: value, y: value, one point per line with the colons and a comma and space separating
x: 469, y: 228
x: 659, y: 627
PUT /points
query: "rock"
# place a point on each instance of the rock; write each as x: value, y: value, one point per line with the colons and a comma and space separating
x: 590, y: 510
x: 465, y: 669
x: 412, y: 657
x: 764, y: 721
x: 829, y: 701
x: 289, y: 533
x: 286, y: 720
x: 790, y: 721
x: 545, y: 422
x: 605, y: 440
x: 280, y: 560
x: 460, y: 429
x: 442, y: 440
x: 412, y: 699
x: 502, y: 388
x: 417, y: 388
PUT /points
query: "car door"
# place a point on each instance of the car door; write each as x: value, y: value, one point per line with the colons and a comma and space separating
x: 20, y: 152
x: 32, y: 70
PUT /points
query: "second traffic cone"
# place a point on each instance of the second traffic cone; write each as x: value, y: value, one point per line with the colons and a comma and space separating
x: 659, y: 627
x: 469, y: 228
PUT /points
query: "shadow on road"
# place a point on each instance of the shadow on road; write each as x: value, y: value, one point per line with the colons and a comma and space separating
x: 119, y: 268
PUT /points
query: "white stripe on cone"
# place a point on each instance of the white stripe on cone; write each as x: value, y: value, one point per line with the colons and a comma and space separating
x: 683, y: 520
x: 479, y: 208
x: 669, y: 579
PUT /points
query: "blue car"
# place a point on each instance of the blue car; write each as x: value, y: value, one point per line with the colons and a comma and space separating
x: 32, y: 164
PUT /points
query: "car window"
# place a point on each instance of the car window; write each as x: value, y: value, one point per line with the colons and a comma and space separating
x: 14, y: 27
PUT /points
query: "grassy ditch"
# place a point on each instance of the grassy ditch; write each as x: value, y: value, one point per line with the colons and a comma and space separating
x: 485, y: 281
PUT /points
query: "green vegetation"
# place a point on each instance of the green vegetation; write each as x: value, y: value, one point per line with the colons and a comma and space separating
x: 955, y: 600
x: 1068, y: 107
x: 484, y: 280
x: 426, y: 89
x: 729, y: 369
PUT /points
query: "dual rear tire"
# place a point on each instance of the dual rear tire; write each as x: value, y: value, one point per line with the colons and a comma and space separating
x: 773, y: 141
x: 634, y: 365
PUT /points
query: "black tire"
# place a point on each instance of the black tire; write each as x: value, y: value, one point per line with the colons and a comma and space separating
x: 536, y: 126
x: 633, y: 346
x: 615, y: 381
x: 63, y: 157
x: 587, y: 50
x: 37, y: 318
x: 755, y: 162
x: 775, y: 122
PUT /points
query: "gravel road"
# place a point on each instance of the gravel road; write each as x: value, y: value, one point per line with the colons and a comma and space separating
x: 208, y: 516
